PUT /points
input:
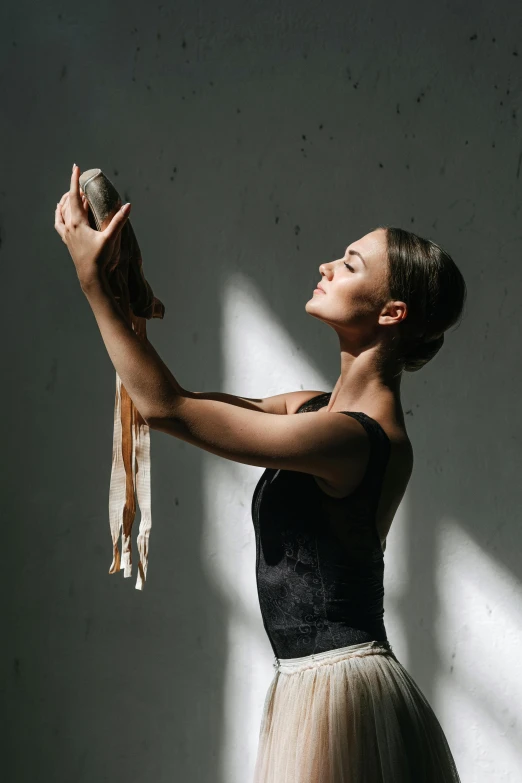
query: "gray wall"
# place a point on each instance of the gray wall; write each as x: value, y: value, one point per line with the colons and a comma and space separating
x: 255, y: 141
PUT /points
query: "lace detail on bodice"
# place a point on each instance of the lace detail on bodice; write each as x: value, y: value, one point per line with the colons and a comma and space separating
x: 319, y: 561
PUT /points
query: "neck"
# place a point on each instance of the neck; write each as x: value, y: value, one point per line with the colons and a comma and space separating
x: 364, y: 384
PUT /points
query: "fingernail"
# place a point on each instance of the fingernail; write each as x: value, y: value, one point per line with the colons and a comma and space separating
x: 126, y: 207
x: 74, y: 164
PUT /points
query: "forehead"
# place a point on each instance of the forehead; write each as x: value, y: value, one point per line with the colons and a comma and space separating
x: 369, y: 245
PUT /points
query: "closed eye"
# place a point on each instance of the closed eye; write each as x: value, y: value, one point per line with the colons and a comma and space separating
x: 349, y: 267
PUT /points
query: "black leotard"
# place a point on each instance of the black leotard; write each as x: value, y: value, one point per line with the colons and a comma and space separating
x: 319, y: 560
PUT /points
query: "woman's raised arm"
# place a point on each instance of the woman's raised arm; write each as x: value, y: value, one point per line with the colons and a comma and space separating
x: 278, y: 403
x: 329, y: 447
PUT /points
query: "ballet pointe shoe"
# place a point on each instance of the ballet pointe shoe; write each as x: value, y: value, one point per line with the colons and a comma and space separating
x: 130, y: 475
x: 126, y: 267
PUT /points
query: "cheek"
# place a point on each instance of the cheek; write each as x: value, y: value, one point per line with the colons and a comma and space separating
x: 360, y: 298
x: 354, y: 291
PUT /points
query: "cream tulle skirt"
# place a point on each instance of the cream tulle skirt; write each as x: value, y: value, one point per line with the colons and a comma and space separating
x: 350, y: 715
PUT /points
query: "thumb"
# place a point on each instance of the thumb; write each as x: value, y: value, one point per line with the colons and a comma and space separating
x: 118, y: 220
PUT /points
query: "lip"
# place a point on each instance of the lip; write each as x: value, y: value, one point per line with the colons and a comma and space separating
x: 318, y: 288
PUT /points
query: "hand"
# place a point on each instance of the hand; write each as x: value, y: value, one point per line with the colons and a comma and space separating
x: 90, y: 249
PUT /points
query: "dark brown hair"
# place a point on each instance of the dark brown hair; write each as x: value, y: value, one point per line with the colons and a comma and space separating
x: 425, y: 277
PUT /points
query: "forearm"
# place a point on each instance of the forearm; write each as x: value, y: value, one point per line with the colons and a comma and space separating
x: 149, y: 383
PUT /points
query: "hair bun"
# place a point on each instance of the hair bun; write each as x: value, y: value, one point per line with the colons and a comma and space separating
x: 422, y: 353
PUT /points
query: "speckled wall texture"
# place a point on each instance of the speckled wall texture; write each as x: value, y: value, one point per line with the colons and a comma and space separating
x: 255, y: 140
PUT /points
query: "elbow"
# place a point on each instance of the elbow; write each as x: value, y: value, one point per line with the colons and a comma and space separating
x: 164, y: 412
x: 166, y: 419
x: 167, y: 424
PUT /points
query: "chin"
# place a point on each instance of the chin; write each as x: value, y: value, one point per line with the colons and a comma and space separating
x: 311, y: 312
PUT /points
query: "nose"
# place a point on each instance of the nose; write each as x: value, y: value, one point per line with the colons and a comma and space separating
x: 324, y: 269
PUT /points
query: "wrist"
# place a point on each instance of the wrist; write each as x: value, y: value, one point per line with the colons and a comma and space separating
x: 96, y: 283
x: 91, y: 283
x: 99, y: 294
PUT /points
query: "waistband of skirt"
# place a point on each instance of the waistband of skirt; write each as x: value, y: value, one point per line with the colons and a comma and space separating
x: 291, y: 665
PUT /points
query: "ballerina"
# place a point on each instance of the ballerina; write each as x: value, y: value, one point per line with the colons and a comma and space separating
x: 340, y: 708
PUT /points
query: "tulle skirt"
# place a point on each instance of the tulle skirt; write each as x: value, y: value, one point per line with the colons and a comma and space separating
x: 350, y: 715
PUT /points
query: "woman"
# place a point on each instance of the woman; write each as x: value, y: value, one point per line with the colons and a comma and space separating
x: 341, y: 708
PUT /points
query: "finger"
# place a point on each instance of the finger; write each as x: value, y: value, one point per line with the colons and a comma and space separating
x: 62, y: 204
x: 58, y: 214
x: 58, y: 222
x: 75, y: 203
x: 117, y: 222
x: 66, y: 208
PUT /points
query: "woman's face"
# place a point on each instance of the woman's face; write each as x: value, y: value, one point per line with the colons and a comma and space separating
x: 355, y: 288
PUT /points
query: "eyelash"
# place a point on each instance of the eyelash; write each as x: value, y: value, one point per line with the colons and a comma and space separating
x: 349, y: 267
